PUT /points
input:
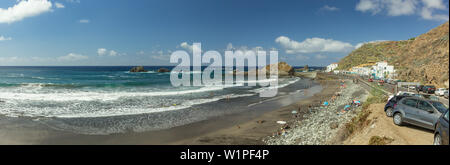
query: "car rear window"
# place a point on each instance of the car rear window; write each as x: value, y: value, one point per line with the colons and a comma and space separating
x: 439, y: 106
x: 410, y: 102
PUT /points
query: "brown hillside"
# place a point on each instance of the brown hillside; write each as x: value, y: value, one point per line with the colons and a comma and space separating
x: 422, y: 59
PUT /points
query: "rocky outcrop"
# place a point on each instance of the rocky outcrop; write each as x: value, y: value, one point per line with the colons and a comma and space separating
x: 163, y: 70
x: 284, y: 69
x: 138, y: 69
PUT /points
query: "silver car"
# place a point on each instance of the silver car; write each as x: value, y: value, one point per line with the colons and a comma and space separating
x: 418, y: 111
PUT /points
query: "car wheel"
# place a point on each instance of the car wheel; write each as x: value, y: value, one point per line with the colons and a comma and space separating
x: 398, y: 119
x: 437, y: 139
x: 389, y: 112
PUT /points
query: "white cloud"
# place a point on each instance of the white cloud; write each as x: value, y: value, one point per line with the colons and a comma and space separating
x: 24, y: 9
x: 329, y: 8
x: 140, y: 52
x: 8, y: 60
x: 423, y: 8
x: 401, y: 7
x: 393, y: 7
x: 244, y: 48
x: 59, y: 5
x: 101, y: 51
x: 113, y: 53
x: 314, y: 45
x: 186, y: 46
x: 2, y: 38
x: 436, y: 4
x: 369, y: 5
x: 72, y: 57
x: 84, y: 21
x: 302, y: 57
x: 363, y: 43
x: 160, y: 55
x: 431, y: 6
x: 73, y: 1
x: 320, y: 57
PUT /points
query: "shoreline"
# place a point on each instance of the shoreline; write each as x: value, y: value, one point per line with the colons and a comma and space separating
x: 239, y: 128
x: 256, y: 130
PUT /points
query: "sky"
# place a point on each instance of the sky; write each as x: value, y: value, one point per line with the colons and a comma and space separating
x: 146, y: 32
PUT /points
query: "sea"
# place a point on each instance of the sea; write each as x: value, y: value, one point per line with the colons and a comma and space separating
x: 110, y: 99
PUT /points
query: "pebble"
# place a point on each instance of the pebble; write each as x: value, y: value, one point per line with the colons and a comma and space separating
x: 320, y: 125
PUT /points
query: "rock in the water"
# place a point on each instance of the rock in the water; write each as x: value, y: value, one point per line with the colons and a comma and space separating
x: 284, y: 69
x: 163, y: 70
x: 138, y: 69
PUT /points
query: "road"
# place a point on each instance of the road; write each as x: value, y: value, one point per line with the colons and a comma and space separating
x: 389, y: 88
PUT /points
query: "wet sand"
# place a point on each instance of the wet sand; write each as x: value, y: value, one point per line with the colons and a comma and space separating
x: 239, y: 128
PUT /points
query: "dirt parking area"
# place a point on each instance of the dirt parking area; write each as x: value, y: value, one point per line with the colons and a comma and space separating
x: 383, y: 126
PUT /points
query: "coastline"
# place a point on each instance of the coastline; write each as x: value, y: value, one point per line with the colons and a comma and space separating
x: 238, y: 128
x: 253, y: 131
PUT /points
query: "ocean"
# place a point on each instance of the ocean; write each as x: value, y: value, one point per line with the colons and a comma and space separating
x: 105, y: 100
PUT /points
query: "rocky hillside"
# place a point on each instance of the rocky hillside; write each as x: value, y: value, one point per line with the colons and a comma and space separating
x: 422, y: 59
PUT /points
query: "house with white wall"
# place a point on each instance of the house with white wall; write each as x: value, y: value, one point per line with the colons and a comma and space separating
x: 332, y: 67
x: 383, y: 70
x: 362, y: 71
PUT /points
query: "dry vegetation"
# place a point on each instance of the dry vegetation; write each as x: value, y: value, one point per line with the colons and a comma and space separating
x: 422, y: 59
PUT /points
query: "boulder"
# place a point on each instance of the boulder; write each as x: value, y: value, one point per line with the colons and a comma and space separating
x: 284, y: 69
x: 163, y: 70
x: 138, y: 69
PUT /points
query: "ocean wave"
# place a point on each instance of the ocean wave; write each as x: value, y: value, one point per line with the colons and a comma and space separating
x: 95, y: 96
x: 148, y: 72
x: 277, y: 86
x: 68, y: 112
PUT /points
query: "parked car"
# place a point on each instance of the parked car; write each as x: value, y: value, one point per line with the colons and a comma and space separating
x: 441, y: 131
x: 429, y: 89
x: 370, y: 80
x: 419, y: 88
x: 389, y: 107
x: 418, y: 111
x: 440, y: 92
x: 412, y: 87
x: 446, y: 94
x: 381, y: 82
x: 402, y: 93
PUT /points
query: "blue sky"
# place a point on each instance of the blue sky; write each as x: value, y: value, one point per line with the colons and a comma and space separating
x: 145, y: 32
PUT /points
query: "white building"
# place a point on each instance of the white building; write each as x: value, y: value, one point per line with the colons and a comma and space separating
x: 332, y: 67
x: 383, y: 70
x: 362, y: 71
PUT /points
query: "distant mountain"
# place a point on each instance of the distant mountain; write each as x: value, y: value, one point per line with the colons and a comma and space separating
x: 422, y: 59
